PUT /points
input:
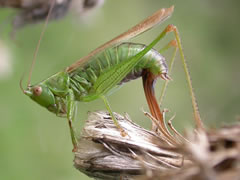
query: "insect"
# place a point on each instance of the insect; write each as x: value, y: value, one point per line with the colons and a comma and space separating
x: 108, y: 66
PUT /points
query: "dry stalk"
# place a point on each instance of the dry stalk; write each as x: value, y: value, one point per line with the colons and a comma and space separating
x: 104, y: 154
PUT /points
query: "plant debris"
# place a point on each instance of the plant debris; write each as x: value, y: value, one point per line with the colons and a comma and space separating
x: 104, y: 154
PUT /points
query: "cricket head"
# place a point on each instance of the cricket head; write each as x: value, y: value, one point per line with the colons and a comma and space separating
x: 42, y: 95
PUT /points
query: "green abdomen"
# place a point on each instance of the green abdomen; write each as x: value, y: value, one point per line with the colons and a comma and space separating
x: 83, y: 78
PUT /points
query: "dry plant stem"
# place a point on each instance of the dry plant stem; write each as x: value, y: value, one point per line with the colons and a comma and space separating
x: 175, y: 131
x: 215, y: 155
x: 157, y: 124
x: 104, y: 154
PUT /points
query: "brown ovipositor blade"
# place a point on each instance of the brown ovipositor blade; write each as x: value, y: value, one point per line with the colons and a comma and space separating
x: 148, y: 85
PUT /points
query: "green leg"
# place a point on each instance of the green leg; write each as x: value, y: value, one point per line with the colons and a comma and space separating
x: 59, y: 106
x: 70, y: 116
x: 172, y: 28
x: 123, y: 133
x: 199, y: 124
x: 172, y: 43
x: 163, y: 91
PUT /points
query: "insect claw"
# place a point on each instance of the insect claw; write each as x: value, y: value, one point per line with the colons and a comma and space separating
x: 165, y: 77
x: 168, y: 77
x: 74, y: 149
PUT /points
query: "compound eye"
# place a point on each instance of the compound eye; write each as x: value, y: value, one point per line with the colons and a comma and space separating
x: 37, y: 90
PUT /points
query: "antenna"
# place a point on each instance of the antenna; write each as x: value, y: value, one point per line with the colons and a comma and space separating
x: 39, y: 41
x: 20, y: 83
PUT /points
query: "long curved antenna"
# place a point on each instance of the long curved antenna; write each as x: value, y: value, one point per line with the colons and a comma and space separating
x: 39, y: 41
x: 20, y: 83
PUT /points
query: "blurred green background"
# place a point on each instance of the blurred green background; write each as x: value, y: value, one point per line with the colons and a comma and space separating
x: 35, y: 144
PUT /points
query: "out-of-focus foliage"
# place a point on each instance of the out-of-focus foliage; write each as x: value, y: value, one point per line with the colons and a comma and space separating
x: 35, y: 144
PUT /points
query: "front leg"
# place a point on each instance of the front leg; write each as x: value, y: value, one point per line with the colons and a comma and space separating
x: 61, y: 107
x: 71, y: 106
